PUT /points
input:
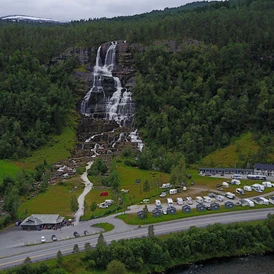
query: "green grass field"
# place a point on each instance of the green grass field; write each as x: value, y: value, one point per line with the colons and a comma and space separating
x: 56, y: 200
x: 8, y: 168
x: 106, y: 226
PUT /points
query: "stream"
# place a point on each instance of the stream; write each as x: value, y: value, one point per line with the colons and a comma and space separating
x: 81, y: 198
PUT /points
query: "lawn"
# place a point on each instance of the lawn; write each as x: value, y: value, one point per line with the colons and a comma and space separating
x: 56, y: 200
x: 8, y: 168
x: 106, y: 226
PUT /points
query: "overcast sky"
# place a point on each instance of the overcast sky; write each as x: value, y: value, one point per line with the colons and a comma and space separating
x: 84, y: 9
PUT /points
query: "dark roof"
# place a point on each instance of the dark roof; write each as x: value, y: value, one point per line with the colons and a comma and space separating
x: 264, y: 166
x: 39, y: 219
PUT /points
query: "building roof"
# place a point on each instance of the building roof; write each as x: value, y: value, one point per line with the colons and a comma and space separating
x: 39, y: 219
x: 264, y: 166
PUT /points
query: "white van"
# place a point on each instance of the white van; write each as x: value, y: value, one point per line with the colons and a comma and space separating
x: 207, y: 199
x: 199, y: 199
x: 247, y: 188
x: 236, y: 176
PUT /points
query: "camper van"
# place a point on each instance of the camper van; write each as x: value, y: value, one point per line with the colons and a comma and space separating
x: 109, y: 202
x: 235, y: 182
x: 169, y: 201
x: 247, y: 188
x: 266, y: 201
x: 258, y: 187
x: 240, y: 191
x: 173, y: 191
x: 236, y: 176
x: 230, y: 195
x: 166, y: 185
x: 225, y: 184
x: 207, y: 199
x: 180, y: 201
x: 247, y: 202
x: 271, y: 200
x: 199, y: 199
x: 158, y: 204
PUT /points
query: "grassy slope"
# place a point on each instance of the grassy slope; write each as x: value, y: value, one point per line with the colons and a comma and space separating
x: 8, y: 168
x: 232, y: 155
x: 56, y: 200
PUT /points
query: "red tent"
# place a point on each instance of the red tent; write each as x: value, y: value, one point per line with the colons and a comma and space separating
x: 105, y: 193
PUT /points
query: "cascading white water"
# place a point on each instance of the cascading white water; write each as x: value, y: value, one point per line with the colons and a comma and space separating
x: 119, y: 106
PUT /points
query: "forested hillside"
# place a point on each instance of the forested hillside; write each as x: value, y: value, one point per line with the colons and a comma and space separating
x: 216, y: 84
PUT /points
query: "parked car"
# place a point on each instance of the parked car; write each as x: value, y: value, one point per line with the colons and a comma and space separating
x: 43, y: 239
x: 54, y: 238
x: 211, y: 195
x: 86, y: 232
x: 76, y: 234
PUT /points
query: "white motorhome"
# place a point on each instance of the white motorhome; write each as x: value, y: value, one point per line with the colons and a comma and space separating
x: 230, y: 195
x: 180, y: 201
x: 169, y: 201
x: 266, y: 201
x: 258, y: 187
x: 207, y: 199
x: 235, y: 182
x: 109, y: 202
x: 247, y: 188
x: 256, y: 177
x: 271, y: 200
x: 258, y: 200
x: 173, y: 191
x: 247, y: 202
x: 199, y: 199
x: 267, y: 184
x: 225, y: 184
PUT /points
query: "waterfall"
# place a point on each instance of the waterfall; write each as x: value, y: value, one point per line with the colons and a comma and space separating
x: 117, y: 106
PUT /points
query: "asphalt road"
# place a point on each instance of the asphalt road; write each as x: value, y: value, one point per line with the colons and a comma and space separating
x: 14, y: 254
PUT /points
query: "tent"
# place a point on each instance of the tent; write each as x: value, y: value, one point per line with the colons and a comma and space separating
x: 104, y: 193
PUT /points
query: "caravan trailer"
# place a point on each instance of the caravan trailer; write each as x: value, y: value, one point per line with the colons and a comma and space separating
x: 256, y: 177
x: 235, y: 182
x: 267, y: 184
x: 247, y: 188
x: 247, y: 202
x: 271, y: 200
x: 173, y: 191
